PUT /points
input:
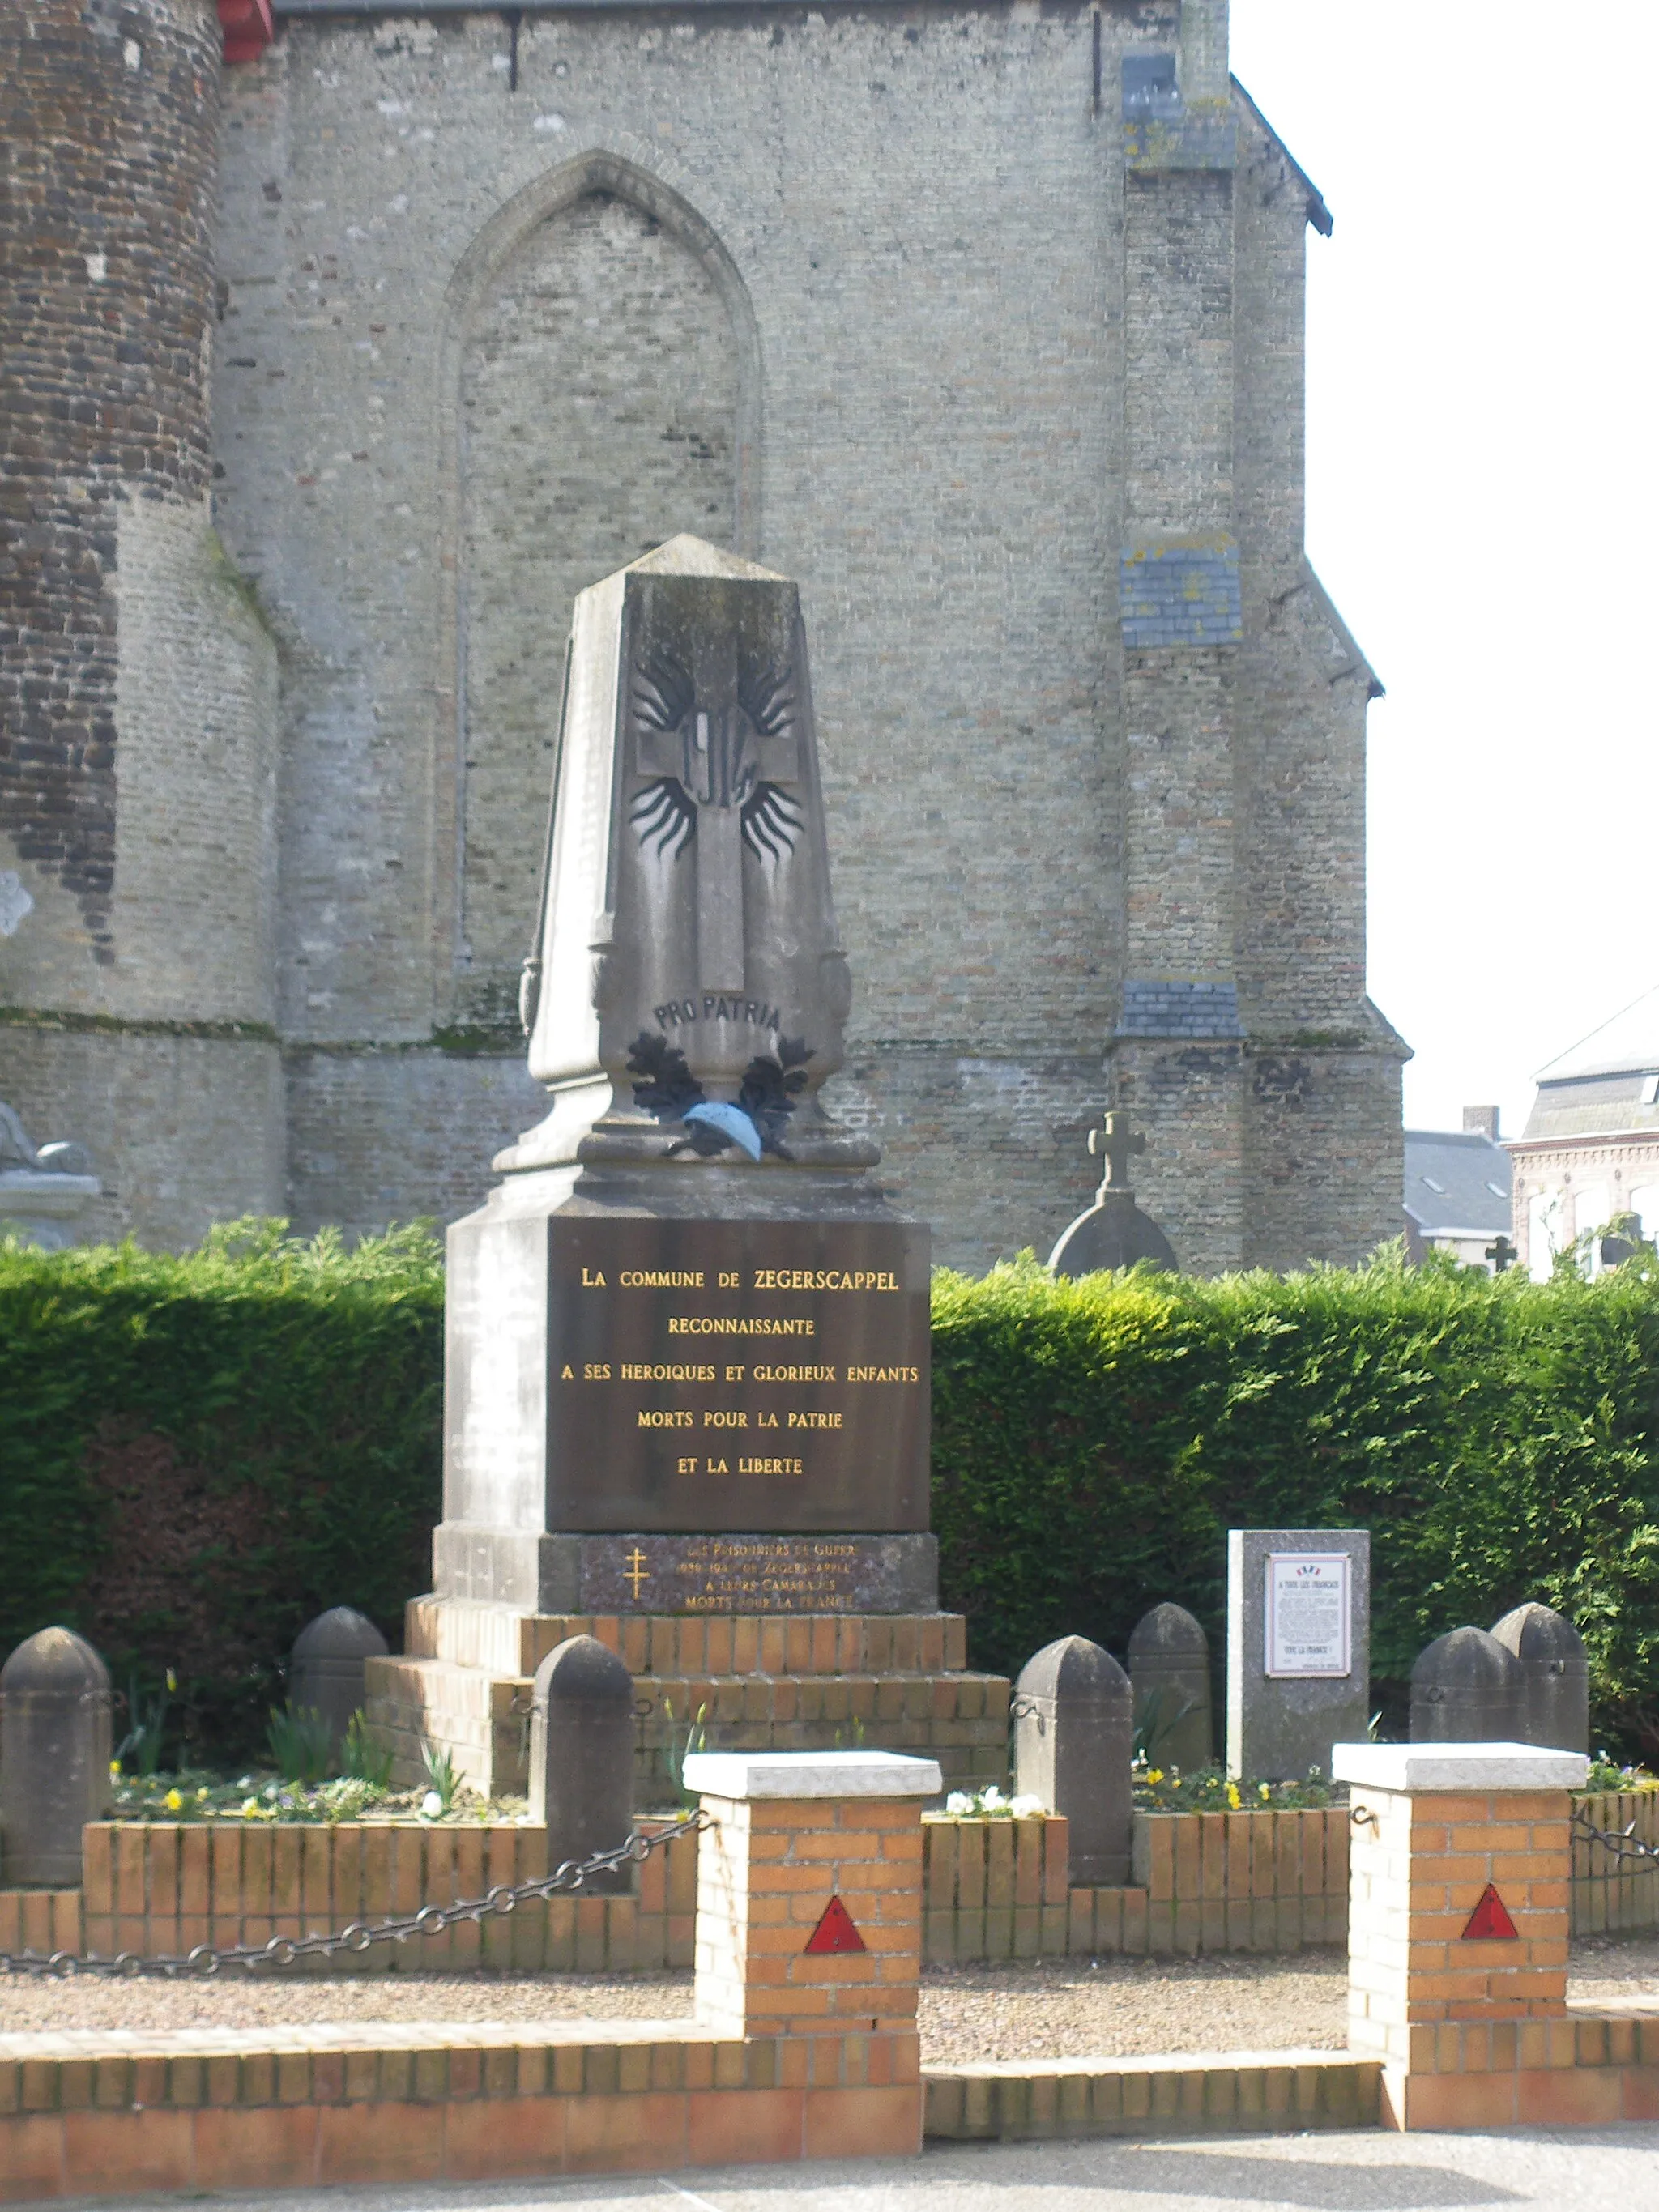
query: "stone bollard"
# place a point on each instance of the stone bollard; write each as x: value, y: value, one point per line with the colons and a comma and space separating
x: 1459, y: 1866
x: 1555, y: 1711
x: 54, y: 1756
x: 1073, y: 1740
x: 1169, y: 1670
x: 1466, y: 1689
x: 325, y: 1667
x: 581, y: 1755
x: 809, y: 1927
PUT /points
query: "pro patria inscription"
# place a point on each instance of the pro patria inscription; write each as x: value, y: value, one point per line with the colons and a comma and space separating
x: 725, y: 1375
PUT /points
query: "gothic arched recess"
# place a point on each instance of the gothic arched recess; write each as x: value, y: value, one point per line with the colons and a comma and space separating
x: 601, y: 375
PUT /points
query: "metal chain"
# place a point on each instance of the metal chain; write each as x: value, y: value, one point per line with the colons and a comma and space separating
x: 360, y: 1936
x: 1623, y: 1843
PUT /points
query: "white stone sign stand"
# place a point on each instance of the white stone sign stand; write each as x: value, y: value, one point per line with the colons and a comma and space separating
x: 1299, y: 1649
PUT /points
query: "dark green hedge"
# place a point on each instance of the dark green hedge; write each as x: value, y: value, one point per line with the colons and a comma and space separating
x: 1093, y: 1441
x: 197, y: 1454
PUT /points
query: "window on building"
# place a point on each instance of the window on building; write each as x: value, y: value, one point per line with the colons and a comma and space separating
x: 1591, y: 1204
x: 1651, y: 1090
x: 1544, y: 1230
x: 1644, y: 1201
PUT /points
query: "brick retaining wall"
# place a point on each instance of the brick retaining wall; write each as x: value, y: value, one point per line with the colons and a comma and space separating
x: 1265, y: 1881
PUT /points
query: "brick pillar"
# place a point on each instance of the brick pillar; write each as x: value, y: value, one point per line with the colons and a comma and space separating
x: 1450, y: 1841
x: 798, y: 1836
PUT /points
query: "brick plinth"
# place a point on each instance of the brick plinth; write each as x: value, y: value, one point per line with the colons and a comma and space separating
x: 1467, y: 2025
x: 770, y: 1867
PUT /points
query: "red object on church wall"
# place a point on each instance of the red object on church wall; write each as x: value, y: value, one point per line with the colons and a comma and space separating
x: 247, y: 28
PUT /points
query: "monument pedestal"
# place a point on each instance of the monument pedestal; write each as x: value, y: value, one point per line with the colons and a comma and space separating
x: 770, y: 1681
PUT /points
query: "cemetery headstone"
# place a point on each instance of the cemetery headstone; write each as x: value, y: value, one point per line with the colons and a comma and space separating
x: 1074, y: 1728
x: 1169, y: 1670
x: 1299, y: 1649
x: 325, y: 1667
x: 1467, y: 1687
x: 54, y: 1756
x: 1113, y: 1232
x: 1556, y: 1676
x: 582, y: 1754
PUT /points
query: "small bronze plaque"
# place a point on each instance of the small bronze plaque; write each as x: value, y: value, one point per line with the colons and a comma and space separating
x: 730, y: 1375
x: 729, y: 1574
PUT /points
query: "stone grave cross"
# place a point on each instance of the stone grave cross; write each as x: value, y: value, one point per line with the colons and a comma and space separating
x: 1115, y: 1144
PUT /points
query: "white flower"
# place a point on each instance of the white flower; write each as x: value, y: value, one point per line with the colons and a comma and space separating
x: 958, y: 1801
x: 431, y: 1805
x: 990, y: 1798
x: 1022, y: 1808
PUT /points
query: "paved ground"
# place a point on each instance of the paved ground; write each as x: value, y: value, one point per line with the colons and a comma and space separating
x: 1567, y: 2170
x: 1055, y: 2008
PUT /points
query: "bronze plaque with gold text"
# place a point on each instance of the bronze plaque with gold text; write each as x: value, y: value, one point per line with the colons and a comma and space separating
x: 708, y: 1376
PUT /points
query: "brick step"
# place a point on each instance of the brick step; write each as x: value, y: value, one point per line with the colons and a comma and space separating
x: 471, y: 1633
x: 960, y: 1719
x: 1240, y: 2093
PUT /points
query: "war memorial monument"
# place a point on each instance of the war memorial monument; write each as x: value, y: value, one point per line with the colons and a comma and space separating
x: 686, y: 1381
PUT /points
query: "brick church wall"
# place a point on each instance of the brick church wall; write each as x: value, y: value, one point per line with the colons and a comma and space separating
x: 908, y: 307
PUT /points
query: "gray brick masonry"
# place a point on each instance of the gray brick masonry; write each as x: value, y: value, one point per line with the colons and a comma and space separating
x: 978, y: 320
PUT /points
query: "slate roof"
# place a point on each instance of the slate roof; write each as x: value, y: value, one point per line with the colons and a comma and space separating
x: 1458, y: 1183
x: 1598, y: 1087
x: 1628, y: 1044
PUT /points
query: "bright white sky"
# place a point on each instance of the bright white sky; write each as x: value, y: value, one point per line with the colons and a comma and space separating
x: 1482, y: 499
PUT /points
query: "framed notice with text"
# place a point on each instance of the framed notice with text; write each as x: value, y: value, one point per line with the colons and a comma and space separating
x: 1309, y: 1614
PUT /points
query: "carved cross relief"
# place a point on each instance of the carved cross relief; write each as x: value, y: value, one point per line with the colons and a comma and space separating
x: 718, y: 748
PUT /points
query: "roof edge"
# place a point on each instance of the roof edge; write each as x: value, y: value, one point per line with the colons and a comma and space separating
x: 1319, y: 214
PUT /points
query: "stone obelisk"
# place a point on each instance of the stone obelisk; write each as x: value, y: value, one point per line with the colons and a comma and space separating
x: 687, y: 1337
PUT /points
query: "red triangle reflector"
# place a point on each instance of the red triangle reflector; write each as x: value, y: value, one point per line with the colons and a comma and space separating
x: 1490, y: 1922
x: 835, y: 1932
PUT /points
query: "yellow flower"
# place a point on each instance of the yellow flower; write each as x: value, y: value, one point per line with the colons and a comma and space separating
x: 174, y: 1801
x: 1233, y: 1798
x: 200, y: 1794
x: 1266, y: 1789
x: 173, y: 1681
x: 249, y: 1808
x: 1175, y: 1784
x: 1155, y: 1774
x: 115, y: 1770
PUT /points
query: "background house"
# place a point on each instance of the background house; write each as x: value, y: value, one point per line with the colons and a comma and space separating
x: 1457, y: 1189
x: 1590, y: 1148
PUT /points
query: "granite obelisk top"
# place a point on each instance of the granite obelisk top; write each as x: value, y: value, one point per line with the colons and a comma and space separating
x: 686, y: 997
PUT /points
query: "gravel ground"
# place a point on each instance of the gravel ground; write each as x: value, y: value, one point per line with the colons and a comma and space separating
x: 1053, y: 2008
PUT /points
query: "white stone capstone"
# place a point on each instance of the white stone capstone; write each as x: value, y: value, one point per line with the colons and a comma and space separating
x: 745, y: 1774
x: 1414, y: 1769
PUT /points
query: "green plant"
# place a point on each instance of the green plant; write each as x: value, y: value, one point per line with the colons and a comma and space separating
x: 678, y: 1743
x: 1094, y: 1441
x: 361, y: 1757
x: 442, y: 1782
x: 141, y: 1747
x: 300, y: 1743
x: 199, y: 1452
x: 1152, y: 1723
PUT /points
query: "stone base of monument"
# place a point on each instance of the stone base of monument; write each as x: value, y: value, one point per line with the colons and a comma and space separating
x: 761, y: 1681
